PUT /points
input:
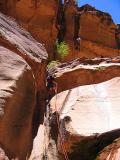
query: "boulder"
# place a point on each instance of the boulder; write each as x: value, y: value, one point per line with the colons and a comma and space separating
x: 89, y: 117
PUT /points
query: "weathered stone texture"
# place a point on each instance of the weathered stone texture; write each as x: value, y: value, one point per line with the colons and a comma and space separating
x: 22, y: 88
x: 17, y: 104
x: 94, y: 29
x: 89, y: 117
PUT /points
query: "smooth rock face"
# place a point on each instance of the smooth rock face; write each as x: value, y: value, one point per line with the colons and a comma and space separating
x: 17, y: 104
x: 18, y: 40
x: 97, y: 105
x: 91, y: 49
x: 89, y: 115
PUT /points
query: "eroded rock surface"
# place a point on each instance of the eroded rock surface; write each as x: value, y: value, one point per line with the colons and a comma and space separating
x: 89, y: 118
x: 89, y: 114
x: 90, y: 32
x: 22, y: 88
x: 85, y: 71
x: 22, y: 43
x: 2, y: 155
x: 97, y: 26
x: 37, y: 16
x: 17, y: 104
x: 98, y: 37
x: 110, y: 152
x: 47, y: 21
x: 12, y: 33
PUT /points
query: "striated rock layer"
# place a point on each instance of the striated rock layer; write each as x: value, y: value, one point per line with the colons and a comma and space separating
x: 110, y: 152
x: 17, y: 104
x: 22, y: 88
x: 84, y: 72
x: 22, y: 43
x: 89, y: 33
x: 37, y: 16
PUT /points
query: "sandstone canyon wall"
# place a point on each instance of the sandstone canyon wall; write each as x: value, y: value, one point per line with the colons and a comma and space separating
x: 37, y: 16
x: 85, y: 72
x: 49, y: 20
x: 22, y: 88
x: 17, y: 104
x: 95, y: 29
x: 89, y: 33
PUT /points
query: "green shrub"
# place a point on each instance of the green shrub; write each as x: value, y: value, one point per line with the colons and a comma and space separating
x: 62, y: 49
x: 52, y: 64
x: 100, y: 68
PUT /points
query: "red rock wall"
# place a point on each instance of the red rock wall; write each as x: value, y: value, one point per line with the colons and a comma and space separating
x: 91, y: 50
x: 82, y: 76
x: 37, y: 16
x: 39, y: 19
x: 92, y: 28
x: 17, y: 105
x: 96, y: 30
x: 22, y: 88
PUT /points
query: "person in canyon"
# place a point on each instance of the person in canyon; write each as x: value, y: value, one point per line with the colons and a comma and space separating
x: 77, y: 43
x: 66, y: 1
x: 51, y: 86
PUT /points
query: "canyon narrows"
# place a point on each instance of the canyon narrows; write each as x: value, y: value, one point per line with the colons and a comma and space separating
x: 77, y: 118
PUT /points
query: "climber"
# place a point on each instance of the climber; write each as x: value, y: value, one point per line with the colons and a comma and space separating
x: 69, y: 1
x: 77, y: 42
x: 66, y: 1
x: 51, y: 85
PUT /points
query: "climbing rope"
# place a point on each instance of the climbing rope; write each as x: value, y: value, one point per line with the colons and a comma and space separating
x: 60, y: 136
x: 46, y: 134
